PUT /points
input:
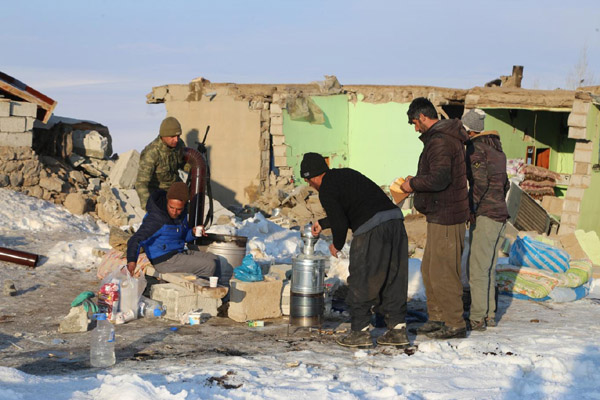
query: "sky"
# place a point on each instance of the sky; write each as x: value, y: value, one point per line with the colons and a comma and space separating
x: 99, y: 59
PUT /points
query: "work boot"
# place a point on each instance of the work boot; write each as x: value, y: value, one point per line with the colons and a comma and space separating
x: 356, y: 339
x: 491, y: 322
x: 394, y: 337
x: 447, y: 332
x: 477, y: 325
x: 430, y: 326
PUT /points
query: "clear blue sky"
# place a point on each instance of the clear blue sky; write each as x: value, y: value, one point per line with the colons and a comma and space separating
x: 99, y: 59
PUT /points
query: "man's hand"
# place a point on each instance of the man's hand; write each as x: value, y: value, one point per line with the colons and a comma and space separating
x: 131, y: 267
x: 316, y: 229
x: 472, y: 219
x: 334, y: 252
x: 199, y: 231
x: 406, y: 186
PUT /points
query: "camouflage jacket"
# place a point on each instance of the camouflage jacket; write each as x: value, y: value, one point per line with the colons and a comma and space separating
x: 159, y: 165
x: 486, y: 171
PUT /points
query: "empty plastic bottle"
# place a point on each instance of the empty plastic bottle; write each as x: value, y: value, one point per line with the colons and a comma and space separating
x: 102, y: 347
x: 150, y: 308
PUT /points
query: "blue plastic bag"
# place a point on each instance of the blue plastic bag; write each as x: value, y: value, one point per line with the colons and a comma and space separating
x: 249, y: 271
x: 534, y: 254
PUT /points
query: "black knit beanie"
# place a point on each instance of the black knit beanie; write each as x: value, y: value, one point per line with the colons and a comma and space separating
x: 313, y: 164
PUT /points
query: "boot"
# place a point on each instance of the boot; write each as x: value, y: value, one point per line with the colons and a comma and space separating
x: 394, y: 337
x: 477, y: 325
x: 448, y: 333
x: 356, y: 339
x: 430, y: 326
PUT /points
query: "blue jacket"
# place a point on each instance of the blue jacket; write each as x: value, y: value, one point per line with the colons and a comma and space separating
x: 159, y: 235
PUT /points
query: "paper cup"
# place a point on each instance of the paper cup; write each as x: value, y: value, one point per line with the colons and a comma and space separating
x: 213, y: 281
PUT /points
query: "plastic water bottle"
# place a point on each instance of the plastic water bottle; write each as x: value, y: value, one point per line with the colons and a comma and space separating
x: 150, y: 308
x: 102, y: 348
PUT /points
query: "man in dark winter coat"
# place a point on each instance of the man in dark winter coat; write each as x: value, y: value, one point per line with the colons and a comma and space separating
x: 441, y: 193
x: 488, y: 184
x: 164, y: 233
x: 379, y: 252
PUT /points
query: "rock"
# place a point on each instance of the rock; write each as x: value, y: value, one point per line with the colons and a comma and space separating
x: 124, y: 172
x: 53, y: 184
x: 94, y: 184
x: 4, y: 180
x: 16, y: 178
x: 35, y: 191
x: 75, y: 203
x: 76, y: 321
x: 78, y: 177
x: 9, y: 288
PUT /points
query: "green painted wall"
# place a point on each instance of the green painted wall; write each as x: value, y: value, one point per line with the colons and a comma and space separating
x: 381, y: 143
x: 329, y: 139
x: 543, y: 129
x: 589, y: 212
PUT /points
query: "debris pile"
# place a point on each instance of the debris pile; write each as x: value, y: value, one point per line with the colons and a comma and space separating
x: 70, y: 163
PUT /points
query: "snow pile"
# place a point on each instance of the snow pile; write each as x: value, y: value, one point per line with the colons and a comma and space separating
x: 20, y: 212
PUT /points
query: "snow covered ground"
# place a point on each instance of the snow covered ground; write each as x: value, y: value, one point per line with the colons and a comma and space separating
x: 538, y: 351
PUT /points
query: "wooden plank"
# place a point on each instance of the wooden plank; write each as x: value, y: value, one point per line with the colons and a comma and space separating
x: 29, y: 94
x: 189, y: 282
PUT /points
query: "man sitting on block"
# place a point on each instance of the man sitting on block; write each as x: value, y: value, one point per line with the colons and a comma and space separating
x: 163, y: 234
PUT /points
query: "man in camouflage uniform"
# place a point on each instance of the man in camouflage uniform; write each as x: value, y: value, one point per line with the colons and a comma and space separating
x: 488, y: 184
x: 160, y: 161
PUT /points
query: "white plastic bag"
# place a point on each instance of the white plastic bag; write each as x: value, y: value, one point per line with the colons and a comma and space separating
x: 119, y: 295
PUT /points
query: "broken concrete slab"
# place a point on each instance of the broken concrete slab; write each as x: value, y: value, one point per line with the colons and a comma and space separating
x: 124, y: 172
x: 255, y: 300
x: 75, y: 203
x: 90, y: 143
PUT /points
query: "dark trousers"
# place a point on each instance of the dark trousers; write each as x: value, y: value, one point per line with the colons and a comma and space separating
x: 379, y: 275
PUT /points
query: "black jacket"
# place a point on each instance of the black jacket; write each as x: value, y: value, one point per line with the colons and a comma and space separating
x: 488, y: 182
x: 349, y: 199
x: 440, y: 185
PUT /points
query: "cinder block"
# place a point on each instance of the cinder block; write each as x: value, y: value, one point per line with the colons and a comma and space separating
x: 586, y: 181
x: 13, y: 124
x: 276, y: 129
x: 582, y: 168
x: 23, y: 109
x: 585, y: 145
x: 285, y: 298
x: 29, y: 123
x: 569, y: 218
x: 575, y: 193
x: 278, y: 140
x: 280, y: 161
x: 275, y: 109
x: 12, y: 139
x: 571, y: 206
x: 179, y: 301
x: 255, y: 300
x: 584, y: 156
x: 124, y: 172
x: 286, y: 171
x: 577, y: 133
x: 279, y: 151
x: 280, y: 271
x: 277, y: 119
x: 578, y: 120
x: 580, y: 107
x: 4, y: 108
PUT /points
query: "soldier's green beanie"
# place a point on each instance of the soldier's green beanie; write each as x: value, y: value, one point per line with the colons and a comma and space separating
x: 170, y: 127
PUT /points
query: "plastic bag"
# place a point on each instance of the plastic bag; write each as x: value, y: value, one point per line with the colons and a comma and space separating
x: 534, y: 254
x: 119, y: 295
x: 249, y: 271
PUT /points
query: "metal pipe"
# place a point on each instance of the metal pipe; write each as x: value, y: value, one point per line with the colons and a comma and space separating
x: 197, y: 185
x: 18, y: 257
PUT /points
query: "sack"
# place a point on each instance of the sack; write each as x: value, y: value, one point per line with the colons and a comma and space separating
x: 119, y: 295
x: 533, y: 254
x: 249, y: 271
